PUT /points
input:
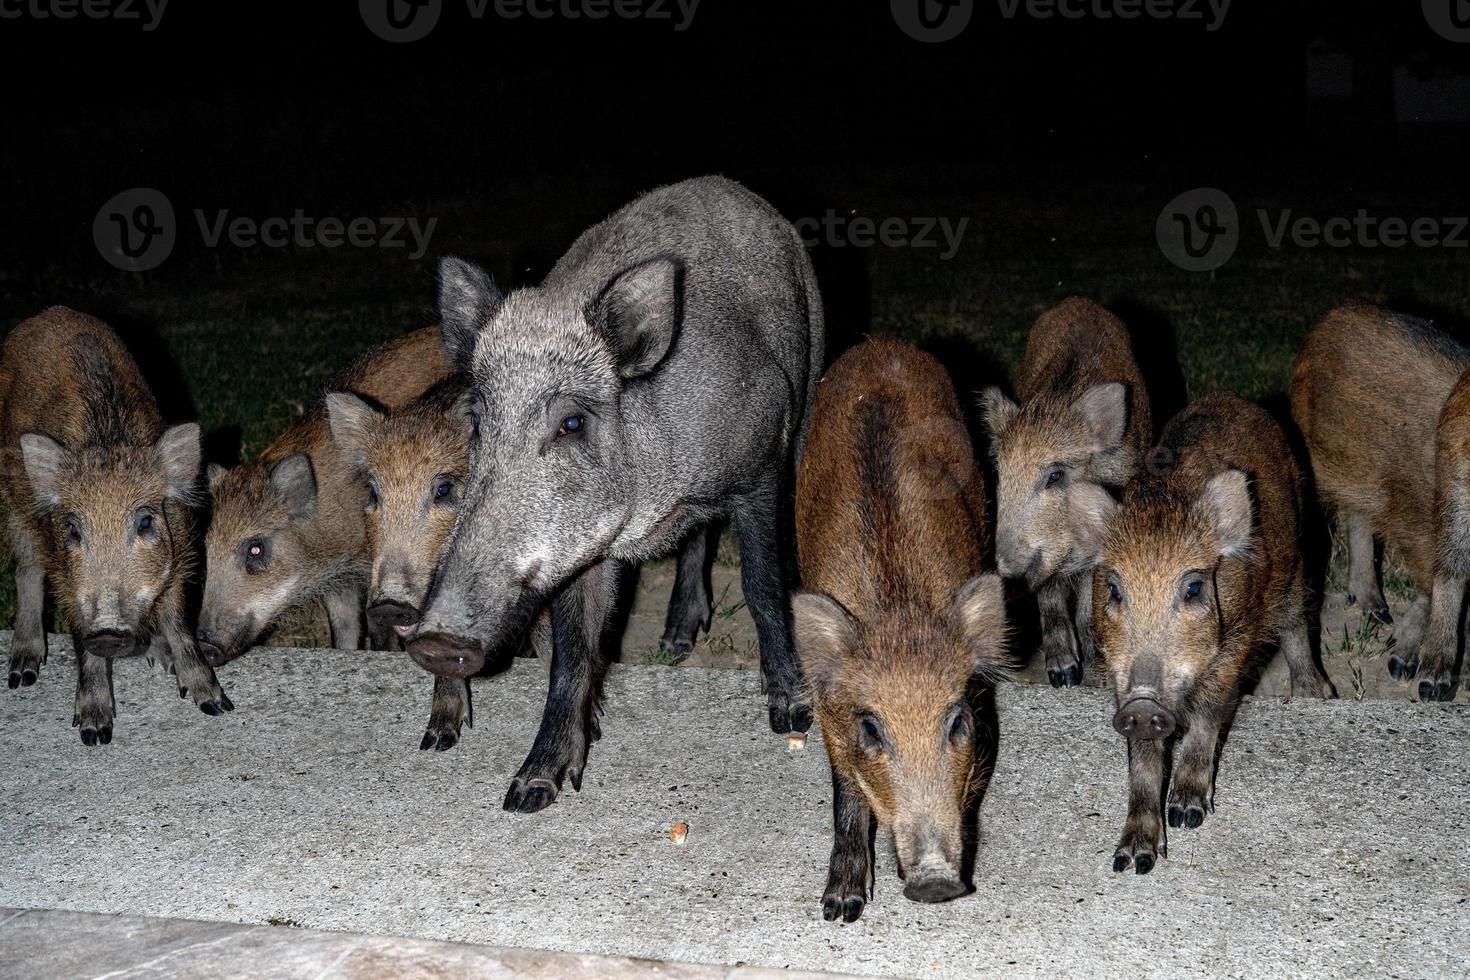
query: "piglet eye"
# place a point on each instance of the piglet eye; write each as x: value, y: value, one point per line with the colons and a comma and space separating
x: 145, y: 523
x: 1113, y: 593
x: 1193, y: 589
x: 870, y: 736
x: 443, y: 490
x: 73, y: 530
x: 959, y: 729
x: 571, y: 425
x: 372, y: 495
x: 1055, y: 477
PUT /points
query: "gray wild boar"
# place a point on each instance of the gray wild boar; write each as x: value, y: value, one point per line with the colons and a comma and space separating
x: 901, y: 636
x: 414, y: 462
x: 656, y: 381
x: 1077, y: 435
x: 287, y: 527
x: 1198, y: 574
x: 98, y: 493
x: 1383, y: 402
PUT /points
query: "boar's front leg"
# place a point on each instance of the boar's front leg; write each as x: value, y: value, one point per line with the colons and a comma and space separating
x: 1144, y: 829
x: 1058, y: 638
x: 1192, y: 790
x: 580, y: 615
x: 850, y: 869
x: 1363, y: 587
x: 1307, y: 678
x: 690, y: 606
x: 94, y: 704
x: 28, y: 642
x: 762, y: 577
x: 1408, y: 637
x: 1440, y: 649
x: 450, y: 710
x: 181, y: 658
x: 344, y: 613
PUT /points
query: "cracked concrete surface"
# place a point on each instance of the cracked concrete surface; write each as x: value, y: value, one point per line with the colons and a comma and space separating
x: 1338, y: 846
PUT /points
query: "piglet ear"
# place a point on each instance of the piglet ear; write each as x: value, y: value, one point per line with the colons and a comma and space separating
x: 178, y: 456
x: 294, y: 482
x: 45, y: 460
x: 1104, y: 411
x: 213, y: 473
x: 979, y: 617
x: 996, y: 409
x: 638, y: 314
x: 1225, y: 504
x: 351, y: 419
x: 825, y: 635
x: 1091, y: 511
x: 467, y: 300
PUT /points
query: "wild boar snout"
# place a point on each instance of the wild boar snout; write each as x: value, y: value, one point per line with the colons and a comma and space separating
x: 389, y: 614
x: 931, y: 863
x: 447, y: 655
x: 111, y: 643
x: 1143, y: 717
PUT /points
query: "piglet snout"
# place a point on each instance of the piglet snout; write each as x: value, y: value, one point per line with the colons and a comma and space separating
x: 1143, y: 718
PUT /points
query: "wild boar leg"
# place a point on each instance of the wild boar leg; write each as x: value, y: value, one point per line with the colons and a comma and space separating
x: 344, y: 612
x: 580, y: 615
x: 1408, y: 636
x: 756, y: 525
x: 1440, y: 649
x: 1192, y: 790
x: 690, y: 606
x: 94, y: 704
x: 850, y: 871
x: 1143, y: 830
x: 1363, y: 586
x: 449, y: 710
x: 28, y: 642
x: 1082, y: 619
x: 183, y: 660
x: 1307, y: 678
x: 1058, y: 639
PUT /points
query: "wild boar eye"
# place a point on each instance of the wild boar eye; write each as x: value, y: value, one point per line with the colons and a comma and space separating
x: 1055, y: 477
x: 257, y: 554
x: 870, y: 736
x: 959, y: 728
x: 571, y: 425
x: 1114, y: 593
x: 443, y: 489
x: 372, y: 494
x: 73, y: 531
x: 1193, y: 589
x: 145, y: 523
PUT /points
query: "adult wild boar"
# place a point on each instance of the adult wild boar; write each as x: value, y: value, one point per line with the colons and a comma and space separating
x: 414, y: 461
x: 657, y: 380
x: 1383, y: 402
x: 901, y: 635
x: 287, y: 527
x: 1199, y: 572
x: 1076, y: 436
x: 98, y: 493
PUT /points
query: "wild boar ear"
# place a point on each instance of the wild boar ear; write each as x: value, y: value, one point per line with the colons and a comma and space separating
x: 294, y: 481
x: 1090, y: 512
x: 638, y: 313
x: 178, y: 454
x: 350, y: 419
x: 213, y: 473
x: 825, y: 635
x: 996, y: 409
x: 1226, y: 504
x: 980, y: 620
x: 45, y: 461
x: 1104, y: 410
x: 467, y: 299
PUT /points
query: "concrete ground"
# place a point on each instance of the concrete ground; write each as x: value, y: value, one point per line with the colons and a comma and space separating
x: 1338, y: 847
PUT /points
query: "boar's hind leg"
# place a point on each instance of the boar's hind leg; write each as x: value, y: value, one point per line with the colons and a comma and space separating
x: 690, y: 606
x: 1408, y: 636
x: 344, y: 612
x: 28, y: 642
x: 580, y: 616
x: 1192, y: 790
x: 850, y: 870
x: 1058, y: 639
x: 1307, y: 677
x: 450, y: 709
x: 1440, y: 649
x: 94, y: 705
x: 761, y: 575
x: 1143, y: 830
x: 1363, y: 587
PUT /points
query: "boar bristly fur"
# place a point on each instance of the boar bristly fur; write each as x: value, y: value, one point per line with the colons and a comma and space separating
x: 1383, y: 403
x: 99, y: 497
x: 1199, y: 573
x: 1075, y: 435
x: 900, y: 634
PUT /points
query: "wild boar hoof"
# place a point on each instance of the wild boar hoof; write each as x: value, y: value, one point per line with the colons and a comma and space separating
x: 530, y: 796
x: 847, y: 908
x: 1190, y: 816
x: 788, y: 715
x: 1435, y: 689
x: 22, y: 678
x: 1067, y: 677
x: 676, y: 651
x: 1402, y: 669
x: 1136, y: 849
x: 101, y: 735
x: 217, y: 706
x: 440, y: 740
